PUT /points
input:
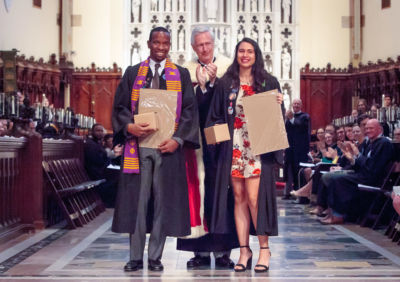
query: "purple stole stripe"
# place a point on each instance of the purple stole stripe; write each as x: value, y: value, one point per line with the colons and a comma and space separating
x: 173, y: 79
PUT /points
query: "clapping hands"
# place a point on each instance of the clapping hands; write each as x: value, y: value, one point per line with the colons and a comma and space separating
x: 349, y: 149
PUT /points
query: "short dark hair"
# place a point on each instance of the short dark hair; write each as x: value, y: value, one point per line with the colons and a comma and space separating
x: 96, y: 124
x: 108, y: 136
x: 159, y: 29
x: 362, y: 117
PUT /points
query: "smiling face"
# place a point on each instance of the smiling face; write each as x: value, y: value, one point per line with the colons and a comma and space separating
x: 204, y: 47
x: 357, y: 134
x: 328, y: 139
x: 361, y: 107
x: 340, y: 134
x: 246, y: 55
x: 296, y: 104
x: 159, y: 46
x: 348, y: 130
x: 373, y: 129
x: 321, y: 134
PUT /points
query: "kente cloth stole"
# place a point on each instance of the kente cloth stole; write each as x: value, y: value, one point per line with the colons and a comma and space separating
x: 173, y: 79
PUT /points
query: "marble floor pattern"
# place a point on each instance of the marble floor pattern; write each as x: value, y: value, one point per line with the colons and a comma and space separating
x: 305, y: 250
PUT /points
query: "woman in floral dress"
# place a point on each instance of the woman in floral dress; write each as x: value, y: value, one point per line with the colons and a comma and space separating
x: 250, y: 177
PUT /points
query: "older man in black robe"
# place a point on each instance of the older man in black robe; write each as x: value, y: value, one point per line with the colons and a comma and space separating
x: 299, y: 136
x: 156, y: 199
x: 206, y: 71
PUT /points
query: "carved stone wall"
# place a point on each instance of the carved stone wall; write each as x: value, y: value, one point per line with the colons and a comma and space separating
x: 272, y: 23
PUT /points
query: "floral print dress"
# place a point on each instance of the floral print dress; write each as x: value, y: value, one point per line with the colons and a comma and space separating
x: 244, y: 163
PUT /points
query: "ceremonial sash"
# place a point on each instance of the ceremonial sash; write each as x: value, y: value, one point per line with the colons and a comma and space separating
x: 173, y: 79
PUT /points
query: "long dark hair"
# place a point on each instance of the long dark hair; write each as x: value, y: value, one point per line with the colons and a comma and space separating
x: 257, y: 70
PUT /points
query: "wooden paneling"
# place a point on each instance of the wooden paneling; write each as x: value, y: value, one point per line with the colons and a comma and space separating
x: 327, y: 93
x: 93, y: 92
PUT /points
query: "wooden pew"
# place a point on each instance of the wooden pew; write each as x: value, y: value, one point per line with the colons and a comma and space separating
x: 73, y: 190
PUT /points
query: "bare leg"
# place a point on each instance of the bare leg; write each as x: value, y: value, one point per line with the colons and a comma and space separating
x: 304, y: 191
x: 307, y: 173
x: 242, y: 218
x: 252, y: 187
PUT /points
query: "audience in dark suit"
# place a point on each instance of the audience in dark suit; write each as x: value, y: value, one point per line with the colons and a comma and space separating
x: 96, y: 162
x: 369, y: 168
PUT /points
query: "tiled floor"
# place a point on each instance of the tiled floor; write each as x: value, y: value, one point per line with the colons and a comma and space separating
x: 305, y: 250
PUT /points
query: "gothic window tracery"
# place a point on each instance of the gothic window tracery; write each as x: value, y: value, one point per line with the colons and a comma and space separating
x: 272, y: 23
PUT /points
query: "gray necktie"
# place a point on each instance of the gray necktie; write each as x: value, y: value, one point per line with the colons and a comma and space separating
x: 156, y: 78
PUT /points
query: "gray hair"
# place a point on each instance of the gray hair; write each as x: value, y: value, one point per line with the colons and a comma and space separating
x: 201, y: 29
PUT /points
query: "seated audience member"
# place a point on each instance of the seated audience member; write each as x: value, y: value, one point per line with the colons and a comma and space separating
x: 340, y: 134
x: 374, y: 111
x: 348, y: 131
x: 362, y: 121
x: 7, y: 127
x: 354, y: 114
x: 374, y: 114
x: 396, y: 135
x: 317, y: 154
x: 369, y: 166
x: 330, y: 150
x: 330, y: 128
x: 109, y: 147
x: 330, y: 153
x: 358, y: 136
x: 387, y: 101
x: 52, y: 129
x: 362, y: 107
x: 396, y: 202
x: 96, y: 162
x: 3, y: 127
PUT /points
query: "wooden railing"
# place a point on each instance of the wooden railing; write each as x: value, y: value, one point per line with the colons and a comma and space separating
x: 11, y: 188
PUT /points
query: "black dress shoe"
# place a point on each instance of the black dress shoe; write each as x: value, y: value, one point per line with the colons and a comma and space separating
x: 224, y: 262
x: 198, y: 261
x: 155, y: 265
x: 133, y: 265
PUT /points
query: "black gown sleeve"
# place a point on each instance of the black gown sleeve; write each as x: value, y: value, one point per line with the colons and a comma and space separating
x: 188, y: 128
x: 216, y: 113
x: 122, y: 113
x: 204, y: 101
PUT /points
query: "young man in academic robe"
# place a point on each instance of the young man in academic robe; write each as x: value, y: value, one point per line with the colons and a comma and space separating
x: 205, y: 71
x: 152, y: 194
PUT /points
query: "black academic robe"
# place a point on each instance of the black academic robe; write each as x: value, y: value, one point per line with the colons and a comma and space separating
x: 209, y: 242
x: 175, y: 215
x: 222, y: 220
x: 96, y: 160
x: 299, y: 137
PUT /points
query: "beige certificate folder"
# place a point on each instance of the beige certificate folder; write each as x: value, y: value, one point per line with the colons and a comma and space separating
x: 217, y: 133
x: 164, y: 103
x: 265, y: 123
x: 150, y: 118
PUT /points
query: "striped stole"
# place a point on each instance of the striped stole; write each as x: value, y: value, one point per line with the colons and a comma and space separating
x: 173, y: 79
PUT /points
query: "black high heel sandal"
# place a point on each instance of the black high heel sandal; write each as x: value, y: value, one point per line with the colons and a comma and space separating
x: 264, y: 268
x: 243, y: 268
